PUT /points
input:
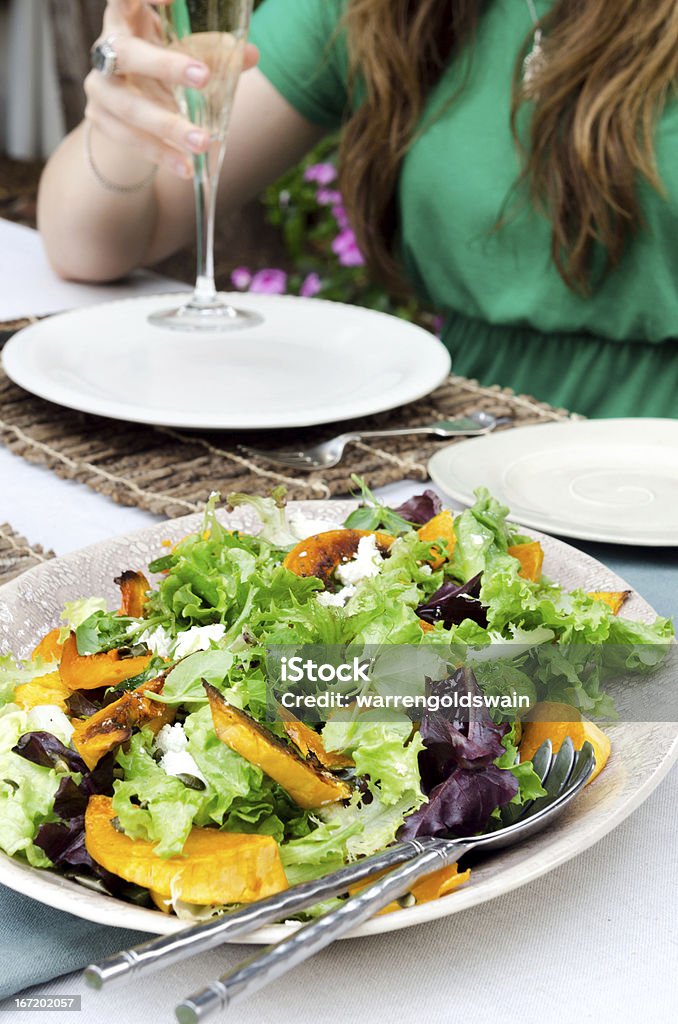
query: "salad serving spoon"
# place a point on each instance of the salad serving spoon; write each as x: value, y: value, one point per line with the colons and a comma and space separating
x: 562, y: 775
x: 330, y: 453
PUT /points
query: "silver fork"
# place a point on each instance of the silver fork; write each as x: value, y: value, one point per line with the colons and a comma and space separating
x: 330, y: 453
x: 562, y: 777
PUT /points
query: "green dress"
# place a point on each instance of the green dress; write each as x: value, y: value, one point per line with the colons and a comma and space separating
x: 509, y: 318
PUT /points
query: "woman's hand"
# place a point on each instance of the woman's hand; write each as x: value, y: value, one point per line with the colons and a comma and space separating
x: 136, y: 107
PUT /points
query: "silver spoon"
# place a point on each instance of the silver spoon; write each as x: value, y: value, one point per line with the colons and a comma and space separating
x: 563, y: 777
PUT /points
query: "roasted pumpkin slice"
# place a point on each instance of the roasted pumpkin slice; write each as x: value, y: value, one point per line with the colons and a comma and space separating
x: 552, y: 721
x: 134, y: 589
x: 214, y: 868
x: 321, y: 554
x: 309, y: 743
x: 49, y: 648
x: 89, y: 671
x: 441, y: 527
x: 531, y: 558
x: 104, y: 731
x: 47, y: 689
x: 438, y: 884
x: 308, y: 784
x: 614, y: 599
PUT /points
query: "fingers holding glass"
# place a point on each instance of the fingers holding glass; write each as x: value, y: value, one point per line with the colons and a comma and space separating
x: 138, y: 119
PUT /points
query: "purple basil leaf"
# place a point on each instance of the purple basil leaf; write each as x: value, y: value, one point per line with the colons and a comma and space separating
x: 80, y: 706
x: 64, y: 843
x: 462, y: 804
x: 100, y: 779
x: 453, y: 603
x: 458, y: 736
x: 420, y: 508
x: 457, y: 763
x: 45, y: 749
x: 70, y: 800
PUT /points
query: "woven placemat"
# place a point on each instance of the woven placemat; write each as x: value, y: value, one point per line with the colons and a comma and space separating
x: 17, y: 555
x: 172, y: 472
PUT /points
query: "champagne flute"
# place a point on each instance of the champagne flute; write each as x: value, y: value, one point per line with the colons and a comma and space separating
x: 214, y: 32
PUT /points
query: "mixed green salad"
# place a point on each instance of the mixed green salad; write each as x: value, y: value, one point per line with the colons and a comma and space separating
x: 138, y: 753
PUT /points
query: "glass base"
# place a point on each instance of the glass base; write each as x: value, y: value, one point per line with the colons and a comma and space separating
x: 209, y: 316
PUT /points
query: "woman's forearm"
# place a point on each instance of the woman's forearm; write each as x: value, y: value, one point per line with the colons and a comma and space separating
x: 91, y: 232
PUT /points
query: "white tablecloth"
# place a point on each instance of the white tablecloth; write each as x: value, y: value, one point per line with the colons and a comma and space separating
x: 595, y: 940
x: 29, y: 287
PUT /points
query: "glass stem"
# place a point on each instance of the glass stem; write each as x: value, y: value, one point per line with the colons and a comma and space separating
x: 206, y: 182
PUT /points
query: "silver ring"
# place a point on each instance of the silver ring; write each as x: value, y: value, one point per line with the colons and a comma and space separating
x: 104, y: 58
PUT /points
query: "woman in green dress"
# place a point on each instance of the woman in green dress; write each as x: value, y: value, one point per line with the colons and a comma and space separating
x: 513, y: 161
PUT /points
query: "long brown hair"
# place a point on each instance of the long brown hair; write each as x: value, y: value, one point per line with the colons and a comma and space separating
x: 610, y: 65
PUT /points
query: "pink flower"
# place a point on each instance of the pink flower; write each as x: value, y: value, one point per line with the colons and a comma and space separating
x: 241, y: 278
x: 269, y: 282
x: 346, y: 248
x: 344, y: 240
x: 310, y: 286
x: 340, y: 215
x: 327, y: 197
x: 323, y: 174
x: 351, y: 257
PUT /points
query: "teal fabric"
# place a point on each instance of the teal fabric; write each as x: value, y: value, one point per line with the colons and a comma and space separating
x: 510, y: 319
x: 37, y: 943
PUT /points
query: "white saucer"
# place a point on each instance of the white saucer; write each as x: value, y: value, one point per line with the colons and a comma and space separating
x: 604, y: 480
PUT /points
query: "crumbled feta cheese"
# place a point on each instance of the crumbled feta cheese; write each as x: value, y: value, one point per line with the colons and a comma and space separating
x: 198, y: 638
x: 302, y: 527
x: 172, y: 742
x: 425, y: 570
x: 157, y: 640
x: 337, y: 600
x: 181, y: 763
x: 171, y: 738
x: 366, y: 563
x: 50, y: 718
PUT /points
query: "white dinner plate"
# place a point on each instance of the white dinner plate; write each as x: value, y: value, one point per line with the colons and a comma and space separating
x: 605, y: 480
x: 308, y: 362
x: 642, y: 752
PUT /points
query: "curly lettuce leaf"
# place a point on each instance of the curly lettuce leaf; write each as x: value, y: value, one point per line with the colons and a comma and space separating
x: 27, y: 791
x: 385, y: 753
x: 482, y: 534
x: 271, y: 512
x: 76, y: 612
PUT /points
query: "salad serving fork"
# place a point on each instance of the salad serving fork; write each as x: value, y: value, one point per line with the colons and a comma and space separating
x: 563, y: 776
x: 330, y: 453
